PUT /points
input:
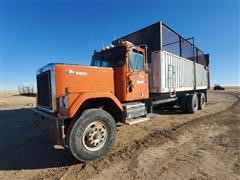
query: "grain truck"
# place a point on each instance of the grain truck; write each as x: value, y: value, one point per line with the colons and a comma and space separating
x: 79, y: 106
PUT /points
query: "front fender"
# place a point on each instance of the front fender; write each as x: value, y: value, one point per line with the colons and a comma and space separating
x: 76, y: 100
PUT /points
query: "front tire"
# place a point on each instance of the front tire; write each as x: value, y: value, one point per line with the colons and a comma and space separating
x: 91, y: 135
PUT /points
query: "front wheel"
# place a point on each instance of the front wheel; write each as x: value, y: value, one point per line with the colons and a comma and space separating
x: 92, y: 135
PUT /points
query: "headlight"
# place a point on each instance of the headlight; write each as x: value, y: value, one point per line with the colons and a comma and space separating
x: 63, y: 102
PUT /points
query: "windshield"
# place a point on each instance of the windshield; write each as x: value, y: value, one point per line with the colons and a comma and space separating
x: 136, y: 61
x: 114, y: 57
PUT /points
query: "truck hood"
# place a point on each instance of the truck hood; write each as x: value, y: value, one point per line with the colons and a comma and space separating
x: 79, y: 79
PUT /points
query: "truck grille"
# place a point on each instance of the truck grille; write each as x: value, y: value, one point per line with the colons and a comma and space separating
x: 44, y: 92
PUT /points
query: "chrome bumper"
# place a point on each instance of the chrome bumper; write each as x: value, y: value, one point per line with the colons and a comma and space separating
x: 50, y: 124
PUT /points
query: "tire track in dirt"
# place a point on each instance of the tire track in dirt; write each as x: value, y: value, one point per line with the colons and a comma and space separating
x: 187, y: 155
x: 129, y: 155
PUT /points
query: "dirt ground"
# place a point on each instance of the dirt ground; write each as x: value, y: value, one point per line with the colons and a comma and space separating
x: 171, y: 145
x: 12, y: 99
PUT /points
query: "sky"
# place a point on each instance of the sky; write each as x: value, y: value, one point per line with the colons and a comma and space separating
x: 37, y: 32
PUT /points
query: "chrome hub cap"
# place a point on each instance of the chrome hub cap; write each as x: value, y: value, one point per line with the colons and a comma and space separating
x: 195, y: 104
x: 94, y: 136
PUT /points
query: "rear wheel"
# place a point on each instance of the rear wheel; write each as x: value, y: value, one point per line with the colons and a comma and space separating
x: 202, y: 101
x: 92, y: 135
x: 192, y: 103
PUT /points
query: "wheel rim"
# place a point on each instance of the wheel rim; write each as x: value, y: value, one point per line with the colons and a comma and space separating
x: 94, y: 136
x: 195, y: 103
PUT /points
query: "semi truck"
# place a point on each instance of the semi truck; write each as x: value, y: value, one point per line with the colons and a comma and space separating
x: 79, y: 106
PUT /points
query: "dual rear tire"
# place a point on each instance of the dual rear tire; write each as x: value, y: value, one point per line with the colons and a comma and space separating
x: 202, y: 101
x: 193, y: 102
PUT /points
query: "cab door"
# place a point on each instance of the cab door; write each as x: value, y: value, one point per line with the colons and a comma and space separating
x: 137, y: 78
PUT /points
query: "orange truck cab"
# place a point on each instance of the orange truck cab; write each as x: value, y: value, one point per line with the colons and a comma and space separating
x: 111, y: 90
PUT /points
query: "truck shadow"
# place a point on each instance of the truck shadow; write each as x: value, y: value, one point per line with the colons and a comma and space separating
x: 25, y: 146
x: 168, y: 111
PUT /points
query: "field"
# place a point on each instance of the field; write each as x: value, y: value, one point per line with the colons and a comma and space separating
x: 171, y: 145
